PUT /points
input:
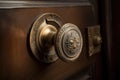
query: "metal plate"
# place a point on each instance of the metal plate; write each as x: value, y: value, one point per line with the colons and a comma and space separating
x: 94, y: 40
x: 40, y: 52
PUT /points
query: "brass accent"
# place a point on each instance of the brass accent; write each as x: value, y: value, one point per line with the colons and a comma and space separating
x: 50, y: 39
x: 94, y: 40
x: 41, y: 33
x: 97, y: 40
x: 46, y: 36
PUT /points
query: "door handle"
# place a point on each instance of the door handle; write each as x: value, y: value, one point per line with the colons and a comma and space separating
x: 50, y: 39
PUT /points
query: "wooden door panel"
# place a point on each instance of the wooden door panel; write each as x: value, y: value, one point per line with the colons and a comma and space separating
x: 16, y: 59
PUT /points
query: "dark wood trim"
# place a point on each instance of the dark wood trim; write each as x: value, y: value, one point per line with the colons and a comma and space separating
x: 31, y: 4
x: 116, y: 36
x: 105, y: 19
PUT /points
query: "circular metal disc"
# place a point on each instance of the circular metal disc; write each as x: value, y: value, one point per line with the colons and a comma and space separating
x: 40, y: 52
x: 69, y: 42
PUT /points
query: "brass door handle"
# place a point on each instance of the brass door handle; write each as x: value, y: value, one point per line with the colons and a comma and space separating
x: 50, y: 39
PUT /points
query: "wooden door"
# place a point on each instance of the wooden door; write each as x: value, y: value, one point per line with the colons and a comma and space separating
x: 16, y: 59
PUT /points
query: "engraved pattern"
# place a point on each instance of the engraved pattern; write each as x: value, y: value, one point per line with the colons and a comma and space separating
x: 71, y: 43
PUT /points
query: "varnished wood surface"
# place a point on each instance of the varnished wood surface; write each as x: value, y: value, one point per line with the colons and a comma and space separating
x: 16, y: 59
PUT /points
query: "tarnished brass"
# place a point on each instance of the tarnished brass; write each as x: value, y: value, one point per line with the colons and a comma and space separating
x: 46, y: 36
x: 41, y: 35
x: 50, y: 39
x: 69, y: 42
x: 94, y: 40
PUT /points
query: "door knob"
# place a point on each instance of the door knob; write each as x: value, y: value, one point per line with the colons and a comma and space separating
x: 50, y: 39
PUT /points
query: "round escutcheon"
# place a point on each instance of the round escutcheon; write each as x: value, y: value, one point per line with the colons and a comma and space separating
x: 69, y: 42
x: 41, y: 33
